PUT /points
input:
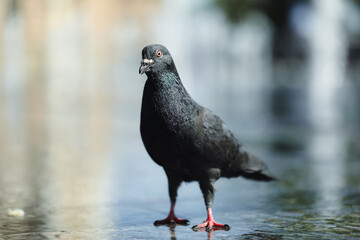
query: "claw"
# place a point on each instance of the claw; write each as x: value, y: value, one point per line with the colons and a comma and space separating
x: 172, y: 221
x: 210, y: 224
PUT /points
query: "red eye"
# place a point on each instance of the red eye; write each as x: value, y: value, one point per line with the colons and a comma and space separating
x: 159, y: 53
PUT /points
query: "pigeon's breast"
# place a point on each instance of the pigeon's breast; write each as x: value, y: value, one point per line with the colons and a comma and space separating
x: 166, y: 122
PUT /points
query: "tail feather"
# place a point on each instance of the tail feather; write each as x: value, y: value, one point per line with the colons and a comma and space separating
x: 248, y: 166
x: 253, y: 168
x: 259, y: 176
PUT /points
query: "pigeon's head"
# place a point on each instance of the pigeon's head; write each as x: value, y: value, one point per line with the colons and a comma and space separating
x: 156, y: 59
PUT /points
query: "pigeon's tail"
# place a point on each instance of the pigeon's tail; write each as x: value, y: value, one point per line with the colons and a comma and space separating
x: 249, y: 166
x: 258, y: 176
x: 253, y: 168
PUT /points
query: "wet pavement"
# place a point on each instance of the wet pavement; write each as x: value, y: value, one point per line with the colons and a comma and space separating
x: 71, y: 155
x: 104, y: 186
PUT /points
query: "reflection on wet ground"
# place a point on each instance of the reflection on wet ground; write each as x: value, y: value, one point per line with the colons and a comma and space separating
x: 75, y: 181
x: 70, y: 150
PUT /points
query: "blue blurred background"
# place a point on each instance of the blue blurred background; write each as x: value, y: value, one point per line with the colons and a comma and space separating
x: 284, y: 75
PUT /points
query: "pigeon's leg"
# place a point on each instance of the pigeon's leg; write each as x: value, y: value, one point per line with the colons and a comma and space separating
x: 171, y: 219
x: 209, y: 224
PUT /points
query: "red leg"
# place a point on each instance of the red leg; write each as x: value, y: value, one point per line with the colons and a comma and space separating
x: 210, y: 223
x: 171, y: 219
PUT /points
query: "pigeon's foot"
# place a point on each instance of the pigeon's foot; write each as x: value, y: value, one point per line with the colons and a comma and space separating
x: 172, y: 221
x: 210, y: 225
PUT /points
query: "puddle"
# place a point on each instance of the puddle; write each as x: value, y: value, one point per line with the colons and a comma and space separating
x: 120, y: 196
x: 71, y: 155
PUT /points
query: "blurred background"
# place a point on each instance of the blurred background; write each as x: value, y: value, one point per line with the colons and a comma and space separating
x: 284, y: 75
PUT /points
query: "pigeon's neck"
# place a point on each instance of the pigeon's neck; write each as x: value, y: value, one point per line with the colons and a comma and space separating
x: 168, y: 79
x: 166, y: 99
x: 168, y: 88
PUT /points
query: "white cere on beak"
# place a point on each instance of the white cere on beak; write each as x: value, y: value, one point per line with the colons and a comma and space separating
x: 148, y: 61
x: 17, y: 212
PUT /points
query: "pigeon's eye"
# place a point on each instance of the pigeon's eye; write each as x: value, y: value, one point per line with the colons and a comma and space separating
x: 159, y: 53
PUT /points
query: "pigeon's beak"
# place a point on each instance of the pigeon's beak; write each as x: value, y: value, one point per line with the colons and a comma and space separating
x: 145, y: 63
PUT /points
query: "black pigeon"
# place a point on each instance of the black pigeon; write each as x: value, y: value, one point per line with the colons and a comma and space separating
x: 189, y: 141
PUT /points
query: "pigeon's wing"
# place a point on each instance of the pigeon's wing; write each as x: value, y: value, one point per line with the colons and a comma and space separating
x: 217, y: 144
x: 220, y: 149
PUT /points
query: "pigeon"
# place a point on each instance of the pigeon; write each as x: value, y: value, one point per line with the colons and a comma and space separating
x: 189, y: 141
